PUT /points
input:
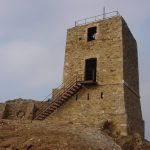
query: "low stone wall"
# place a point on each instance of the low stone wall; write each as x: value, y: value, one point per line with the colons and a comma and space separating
x: 2, y: 108
x: 19, y: 109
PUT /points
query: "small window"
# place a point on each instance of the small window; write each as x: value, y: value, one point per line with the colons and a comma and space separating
x: 102, y: 95
x: 76, y: 97
x: 88, y: 96
x: 91, y: 33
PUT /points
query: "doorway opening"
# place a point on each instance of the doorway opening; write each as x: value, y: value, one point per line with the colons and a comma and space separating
x: 90, y: 69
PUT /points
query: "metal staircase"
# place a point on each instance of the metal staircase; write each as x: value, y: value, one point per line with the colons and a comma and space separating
x: 63, y: 94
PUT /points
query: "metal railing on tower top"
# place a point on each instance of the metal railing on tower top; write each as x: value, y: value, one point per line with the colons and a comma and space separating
x: 96, y: 18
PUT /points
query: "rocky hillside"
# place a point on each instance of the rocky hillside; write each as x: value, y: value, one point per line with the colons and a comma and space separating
x: 21, y: 133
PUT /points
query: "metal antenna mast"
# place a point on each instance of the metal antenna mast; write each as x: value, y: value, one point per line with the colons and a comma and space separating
x: 104, y: 13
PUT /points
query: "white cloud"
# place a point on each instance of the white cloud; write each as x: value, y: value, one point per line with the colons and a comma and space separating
x: 31, y: 61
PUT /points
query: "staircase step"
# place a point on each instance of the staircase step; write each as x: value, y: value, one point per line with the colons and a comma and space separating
x: 60, y: 102
x: 79, y: 84
x: 40, y: 118
x: 73, y: 89
x: 64, y: 96
x: 52, y: 106
x: 63, y: 99
x: 76, y: 86
x: 45, y: 114
x: 57, y: 102
x: 68, y: 94
x: 48, y: 111
x: 55, y: 105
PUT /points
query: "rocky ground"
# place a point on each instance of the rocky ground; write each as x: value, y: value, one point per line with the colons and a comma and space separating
x: 44, y: 135
x: 18, y: 132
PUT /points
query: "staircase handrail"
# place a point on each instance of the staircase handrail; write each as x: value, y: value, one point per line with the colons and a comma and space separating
x: 64, y: 87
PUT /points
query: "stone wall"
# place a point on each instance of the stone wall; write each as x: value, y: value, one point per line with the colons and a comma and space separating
x: 106, y: 48
x: 104, y: 101
x: 133, y: 110
x: 2, y: 108
x: 131, y: 78
x: 87, y: 107
x: 108, y: 99
x: 20, y: 109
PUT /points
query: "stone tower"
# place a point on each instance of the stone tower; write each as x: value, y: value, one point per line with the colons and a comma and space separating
x: 104, y: 51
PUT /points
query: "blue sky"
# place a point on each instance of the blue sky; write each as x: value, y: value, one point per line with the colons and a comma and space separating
x: 32, y: 43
